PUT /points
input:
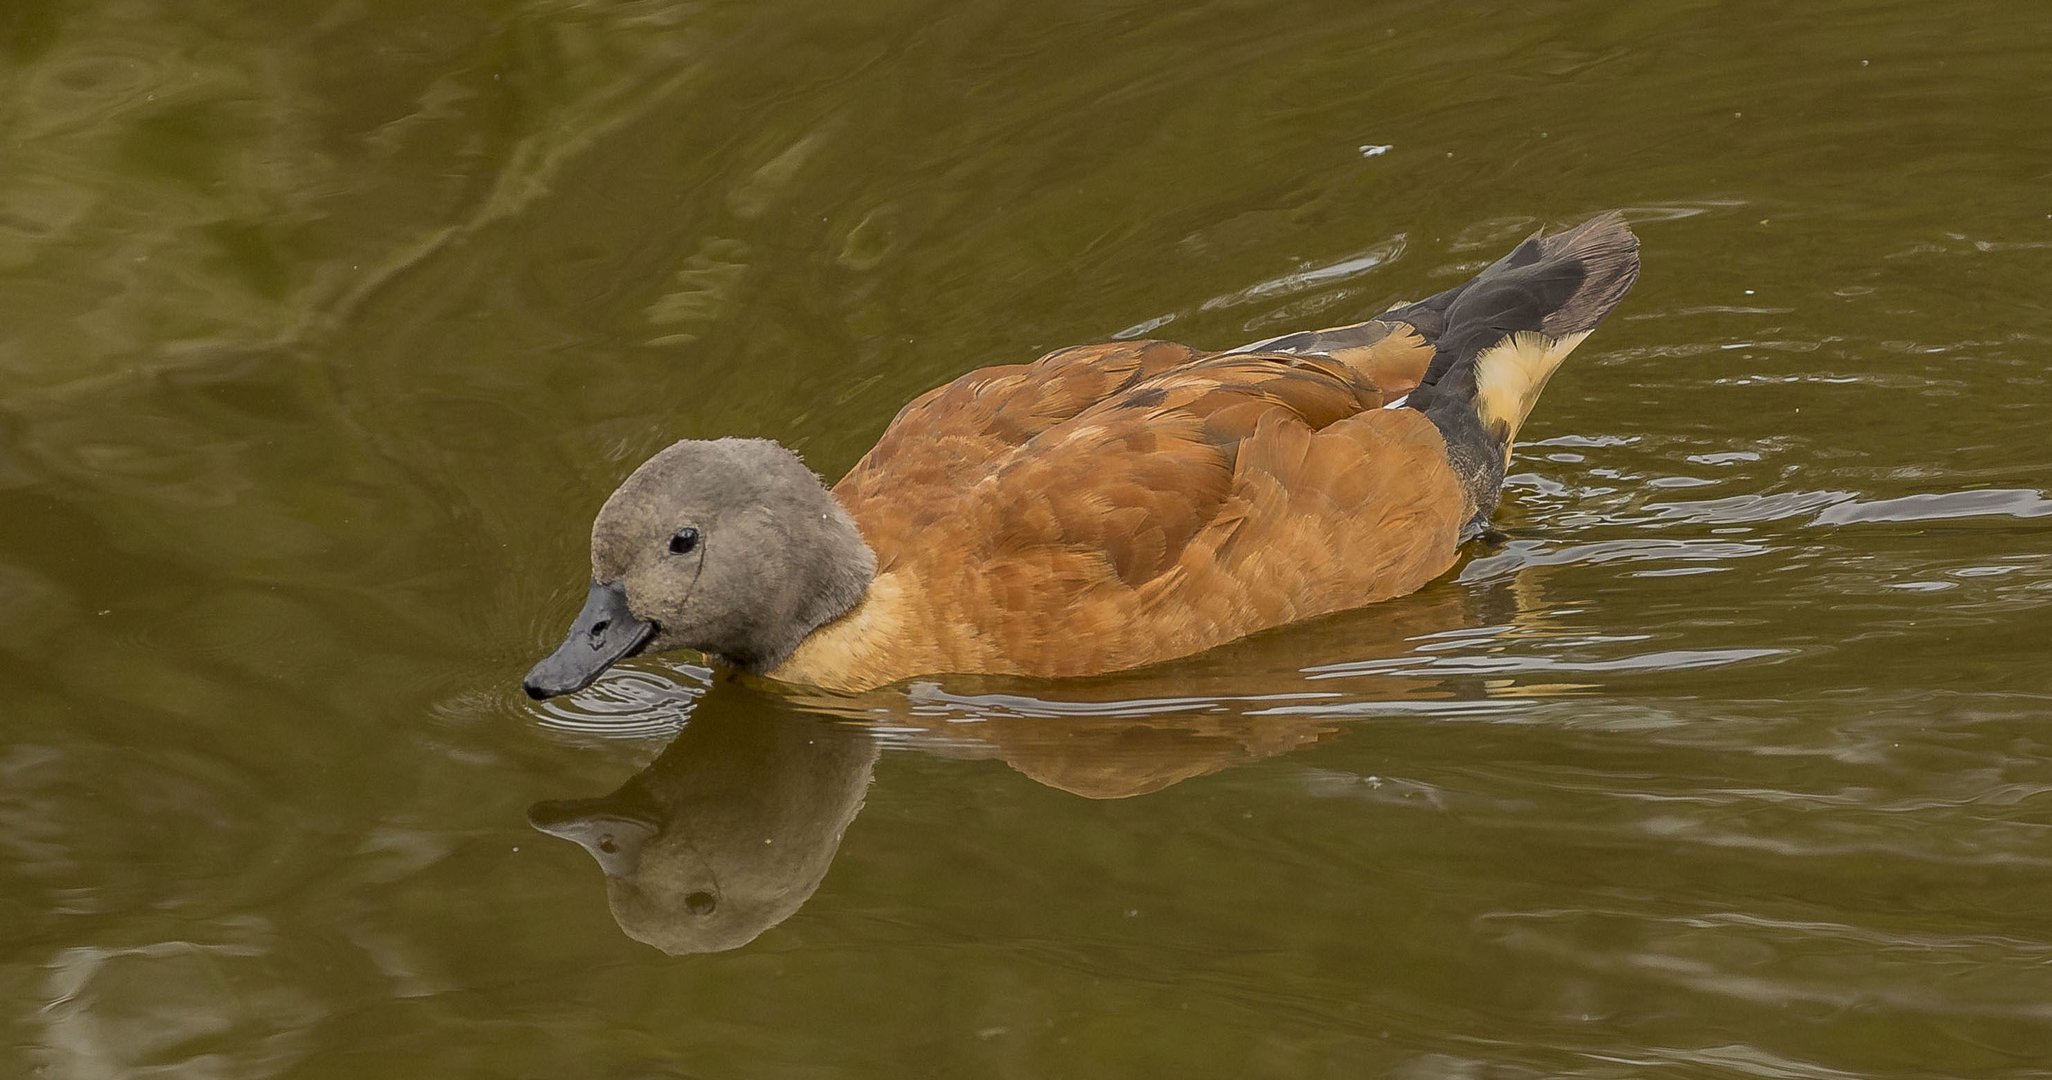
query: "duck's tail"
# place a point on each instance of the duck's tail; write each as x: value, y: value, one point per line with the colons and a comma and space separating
x: 1499, y: 336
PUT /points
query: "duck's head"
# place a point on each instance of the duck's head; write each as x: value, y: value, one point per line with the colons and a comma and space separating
x: 731, y: 547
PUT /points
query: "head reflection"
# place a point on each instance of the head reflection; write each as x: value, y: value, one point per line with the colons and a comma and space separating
x: 726, y: 833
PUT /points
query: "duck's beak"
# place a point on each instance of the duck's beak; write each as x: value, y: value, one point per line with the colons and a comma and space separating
x: 605, y: 632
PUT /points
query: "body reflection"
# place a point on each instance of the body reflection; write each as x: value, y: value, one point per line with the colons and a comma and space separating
x: 728, y: 832
x: 733, y: 827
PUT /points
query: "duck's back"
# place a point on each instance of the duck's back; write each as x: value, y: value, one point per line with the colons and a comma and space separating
x: 1116, y: 505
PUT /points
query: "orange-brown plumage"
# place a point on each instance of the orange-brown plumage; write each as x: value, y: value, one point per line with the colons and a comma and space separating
x: 1110, y: 506
x: 1106, y: 506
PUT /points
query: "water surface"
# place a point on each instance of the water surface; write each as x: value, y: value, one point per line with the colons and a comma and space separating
x: 326, y: 325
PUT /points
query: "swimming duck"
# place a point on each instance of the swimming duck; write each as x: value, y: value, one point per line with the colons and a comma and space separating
x: 1104, y: 507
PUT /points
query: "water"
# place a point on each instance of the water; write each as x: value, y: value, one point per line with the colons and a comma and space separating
x: 325, y: 327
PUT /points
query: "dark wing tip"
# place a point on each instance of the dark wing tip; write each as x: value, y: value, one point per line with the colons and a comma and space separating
x: 1608, y: 255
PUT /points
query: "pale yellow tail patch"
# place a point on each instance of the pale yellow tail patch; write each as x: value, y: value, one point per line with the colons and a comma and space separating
x: 1510, y: 374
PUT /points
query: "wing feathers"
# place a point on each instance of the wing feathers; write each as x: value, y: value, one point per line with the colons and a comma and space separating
x: 1119, y: 504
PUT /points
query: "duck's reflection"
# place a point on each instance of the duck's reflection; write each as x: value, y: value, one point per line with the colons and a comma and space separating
x: 726, y: 833
x: 733, y: 827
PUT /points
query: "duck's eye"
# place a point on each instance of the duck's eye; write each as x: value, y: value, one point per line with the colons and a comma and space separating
x: 684, y: 541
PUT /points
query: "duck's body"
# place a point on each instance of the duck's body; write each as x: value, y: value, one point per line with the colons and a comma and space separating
x: 1111, y: 506
x: 1108, y: 506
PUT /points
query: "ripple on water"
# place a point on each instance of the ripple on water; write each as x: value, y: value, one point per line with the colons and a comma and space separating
x: 226, y: 1005
x: 1727, y: 954
x: 1987, y: 502
x: 1747, y: 509
x: 930, y: 699
x: 1520, y: 555
x: 1291, y: 284
x: 1661, y: 660
x: 630, y: 702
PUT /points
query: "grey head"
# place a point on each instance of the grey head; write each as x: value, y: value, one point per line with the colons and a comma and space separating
x: 728, y: 832
x: 731, y: 547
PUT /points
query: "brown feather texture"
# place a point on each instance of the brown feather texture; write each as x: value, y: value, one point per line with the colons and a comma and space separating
x: 1221, y: 495
x: 1116, y: 505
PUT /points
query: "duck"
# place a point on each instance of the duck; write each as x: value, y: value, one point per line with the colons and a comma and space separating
x: 1105, y: 507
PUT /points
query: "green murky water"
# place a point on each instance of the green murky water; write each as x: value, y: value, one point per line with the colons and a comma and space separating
x: 326, y: 325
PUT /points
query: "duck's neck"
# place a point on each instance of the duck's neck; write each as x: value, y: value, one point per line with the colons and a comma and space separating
x: 825, y: 583
x: 861, y: 649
